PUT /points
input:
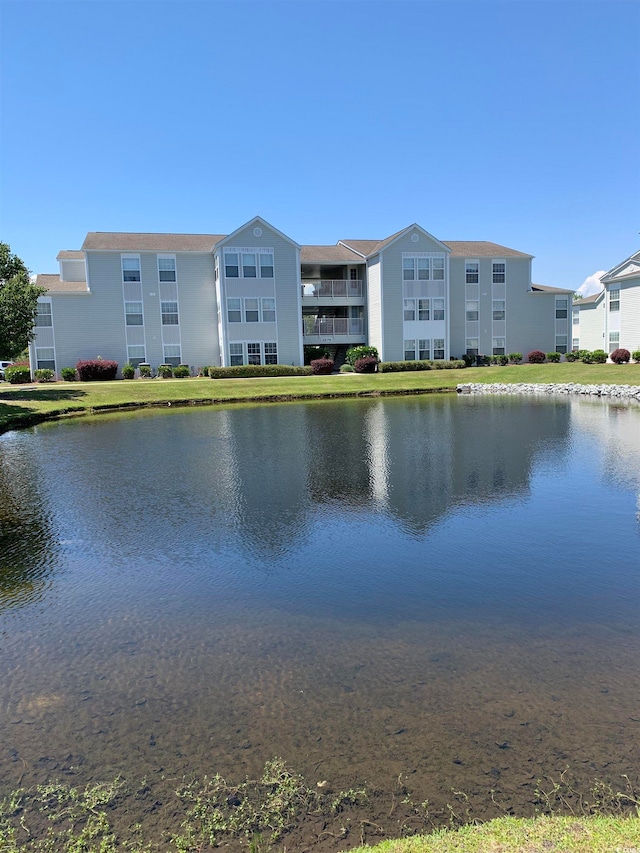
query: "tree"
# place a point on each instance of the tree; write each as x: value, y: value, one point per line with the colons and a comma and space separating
x: 18, y: 301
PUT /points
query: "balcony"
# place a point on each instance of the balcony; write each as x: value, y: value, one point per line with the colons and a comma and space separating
x: 332, y: 289
x: 327, y: 329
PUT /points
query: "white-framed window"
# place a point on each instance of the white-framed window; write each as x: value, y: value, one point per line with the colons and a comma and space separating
x: 166, y: 268
x: 45, y: 358
x: 133, y: 314
x: 248, y: 263
x: 561, y: 343
x: 268, y: 313
x: 231, y: 265
x: 234, y: 310
x: 472, y: 309
x: 575, y: 316
x: 424, y: 269
x: 271, y: 352
x: 131, y: 267
x: 249, y: 266
x: 43, y: 314
x: 252, y: 310
x: 472, y: 346
x: 410, y: 350
x: 236, y: 354
x: 575, y: 344
x: 254, y: 354
x: 472, y: 272
x: 410, y: 310
x: 614, y: 299
x: 136, y: 354
x: 171, y: 354
x: 438, y: 311
x: 499, y: 309
x: 353, y: 274
x: 614, y: 341
x: 169, y: 311
x: 424, y: 309
x: 424, y: 349
x: 561, y: 310
x: 499, y: 345
x: 438, y: 349
x: 437, y: 269
x: 408, y: 270
x: 266, y: 267
x: 498, y: 274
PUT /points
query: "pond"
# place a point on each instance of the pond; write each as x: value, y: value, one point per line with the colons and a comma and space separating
x: 430, y: 598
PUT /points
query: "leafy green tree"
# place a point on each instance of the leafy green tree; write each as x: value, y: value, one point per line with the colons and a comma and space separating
x: 18, y: 300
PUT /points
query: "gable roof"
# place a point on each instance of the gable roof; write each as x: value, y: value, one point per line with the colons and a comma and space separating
x: 115, y: 241
x: 588, y: 300
x: 629, y: 268
x: 51, y: 282
x: 324, y: 254
x: 544, y: 288
x: 258, y: 220
x: 70, y: 255
x: 481, y: 248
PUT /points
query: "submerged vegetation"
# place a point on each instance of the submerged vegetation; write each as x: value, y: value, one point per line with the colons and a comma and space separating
x: 280, y: 811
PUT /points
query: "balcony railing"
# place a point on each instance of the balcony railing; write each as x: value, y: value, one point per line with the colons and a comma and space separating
x: 333, y: 289
x: 331, y: 326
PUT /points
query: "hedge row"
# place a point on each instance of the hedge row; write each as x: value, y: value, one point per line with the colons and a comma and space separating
x: 247, y: 371
x: 440, y: 364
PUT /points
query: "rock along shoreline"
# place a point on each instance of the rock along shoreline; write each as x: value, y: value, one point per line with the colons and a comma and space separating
x: 626, y: 392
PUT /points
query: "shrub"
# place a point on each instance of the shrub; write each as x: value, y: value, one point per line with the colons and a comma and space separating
x: 572, y: 356
x: 366, y: 364
x: 17, y: 374
x: 246, y: 371
x: 515, y: 357
x: 43, y: 374
x: 181, y: 371
x: 346, y: 368
x: 468, y: 359
x: 586, y: 357
x: 553, y: 357
x: 536, y: 356
x: 96, y: 370
x: 362, y: 351
x: 599, y: 356
x: 145, y: 370
x: 312, y: 352
x: 635, y: 355
x: 128, y: 371
x: 322, y: 366
x: 620, y: 356
x: 165, y: 371
x: 68, y: 374
x: 203, y: 371
x: 422, y: 364
x: 503, y: 360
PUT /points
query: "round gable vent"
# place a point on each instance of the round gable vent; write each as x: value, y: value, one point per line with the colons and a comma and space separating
x: 257, y: 232
x: 414, y: 238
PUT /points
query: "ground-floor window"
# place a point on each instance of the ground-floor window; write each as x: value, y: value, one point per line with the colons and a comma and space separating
x: 472, y: 346
x: 424, y: 349
x: 499, y: 346
x: 136, y: 355
x: 410, y: 350
x: 614, y: 341
x: 45, y: 358
x: 561, y: 343
x: 438, y: 348
x: 575, y: 344
x: 172, y: 355
x: 253, y: 352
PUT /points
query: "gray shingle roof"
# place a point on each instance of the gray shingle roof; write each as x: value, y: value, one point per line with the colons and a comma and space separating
x: 51, y: 281
x: 546, y: 289
x: 127, y: 242
x: 323, y: 254
x: 70, y: 255
x: 481, y: 248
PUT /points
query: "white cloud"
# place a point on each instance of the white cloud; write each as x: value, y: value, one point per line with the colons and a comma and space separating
x: 592, y: 284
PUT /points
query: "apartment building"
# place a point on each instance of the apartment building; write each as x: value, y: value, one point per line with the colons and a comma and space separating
x: 255, y: 296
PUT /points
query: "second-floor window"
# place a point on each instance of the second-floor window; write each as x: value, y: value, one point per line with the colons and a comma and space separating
x: 169, y: 313
x: 561, y: 309
x: 43, y: 317
x: 614, y: 299
x: 133, y: 313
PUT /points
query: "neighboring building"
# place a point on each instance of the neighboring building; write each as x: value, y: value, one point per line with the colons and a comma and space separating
x: 257, y: 297
x: 611, y: 319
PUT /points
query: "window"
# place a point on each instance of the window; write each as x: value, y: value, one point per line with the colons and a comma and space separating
x: 409, y: 309
x: 251, y: 311
x: 438, y: 349
x: 408, y: 269
x: 498, y: 275
x: 614, y: 341
x: 46, y: 358
x: 135, y: 355
x: 166, y: 269
x: 575, y: 344
x: 172, y: 355
x: 410, y: 350
x: 231, y: 268
x: 499, y: 306
x: 249, y: 269
x: 499, y: 345
x: 472, y: 346
x: 43, y: 316
x: 472, y: 309
x: 234, y: 310
x: 269, y: 312
x: 353, y: 274
x: 438, y: 310
x: 561, y: 310
x: 471, y: 269
x: 131, y: 269
x: 614, y: 299
x: 438, y: 269
x: 235, y: 355
x: 253, y: 354
x: 133, y: 314
x: 169, y: 313
x: 561, y: 343
x: 424, y: 350
x: 423, y: 269
x: 424, y: 312
x: 575, y: 314
x: 266, y: 267
x: 271, y: 353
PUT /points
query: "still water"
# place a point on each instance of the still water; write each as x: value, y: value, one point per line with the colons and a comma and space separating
x: 440, y: 590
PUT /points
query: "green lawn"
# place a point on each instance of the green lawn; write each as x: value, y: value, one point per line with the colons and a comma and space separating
x: 22, y: 405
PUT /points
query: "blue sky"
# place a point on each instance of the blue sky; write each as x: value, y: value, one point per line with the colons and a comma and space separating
x: 515, y: 122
